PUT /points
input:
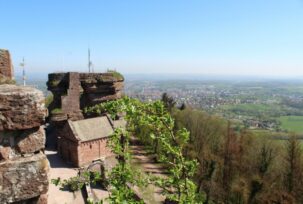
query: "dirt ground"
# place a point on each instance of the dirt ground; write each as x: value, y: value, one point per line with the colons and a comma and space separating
x: 58, y: 168
x: 145, y: 161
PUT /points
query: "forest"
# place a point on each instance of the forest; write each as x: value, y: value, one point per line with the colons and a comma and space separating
x: 237, y: 166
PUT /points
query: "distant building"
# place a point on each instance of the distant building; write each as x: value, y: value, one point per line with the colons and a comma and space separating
x: 83, y: 141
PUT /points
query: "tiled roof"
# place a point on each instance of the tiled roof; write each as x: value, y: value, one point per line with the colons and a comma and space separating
x: 91, y: 129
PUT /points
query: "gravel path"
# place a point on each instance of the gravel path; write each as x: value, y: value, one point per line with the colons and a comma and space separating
x: 146, y: 162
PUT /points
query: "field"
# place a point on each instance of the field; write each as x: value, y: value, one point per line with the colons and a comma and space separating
x: 257, y: 110
x: 292, y: 123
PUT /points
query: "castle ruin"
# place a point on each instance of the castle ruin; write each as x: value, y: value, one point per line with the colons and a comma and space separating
x: 72, y: 93
x: 6, y: 67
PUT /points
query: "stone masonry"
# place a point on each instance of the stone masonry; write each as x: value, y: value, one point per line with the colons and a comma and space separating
x: 23, y: 164
x: 70, y: 103
x: 6, y: 67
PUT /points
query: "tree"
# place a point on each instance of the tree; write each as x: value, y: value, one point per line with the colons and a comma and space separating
x: 231, y: 149
x: 293, y: 173
x: 183, y: 106
x: 168, y: 101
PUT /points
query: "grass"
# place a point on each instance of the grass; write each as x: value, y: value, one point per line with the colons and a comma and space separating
x: 253, y: 109
x: 247, y: 107
x: 292, y: 123
x: 116, y: 74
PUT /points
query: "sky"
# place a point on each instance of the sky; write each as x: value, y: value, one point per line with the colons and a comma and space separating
x: 222, y: 37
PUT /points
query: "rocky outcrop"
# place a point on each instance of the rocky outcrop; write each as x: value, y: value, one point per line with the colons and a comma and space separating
x: 98, y: 88
x: 23, y: 178
x: 6, y: 67
x: 21, y: 108
x: 31, y: 141
x: 23, y: 164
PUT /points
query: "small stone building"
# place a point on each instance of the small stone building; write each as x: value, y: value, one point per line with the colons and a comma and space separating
x: 83, y: 141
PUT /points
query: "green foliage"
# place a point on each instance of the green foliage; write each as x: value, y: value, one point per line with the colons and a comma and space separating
x: 54, y: 83
x: 49, y: 99
x: 77, y: 182
x: 153, y: 120
x: 122, y: 175
x: 116, y: 74
x: 56, y: 111
x: 294, y: 164
x: 207, y: 161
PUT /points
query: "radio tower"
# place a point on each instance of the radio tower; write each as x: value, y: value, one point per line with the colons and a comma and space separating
x: 22, y: 64
x: 89, y: 62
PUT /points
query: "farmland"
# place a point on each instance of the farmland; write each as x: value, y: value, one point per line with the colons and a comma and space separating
x: 292, y: 123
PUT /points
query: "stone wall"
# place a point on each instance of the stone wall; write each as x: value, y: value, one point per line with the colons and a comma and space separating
x: 6, y: 67
x: 84, y: 153
x: 23, y: 164
x: 92, y: 150
x: 70, y: 103
x: 68, y: 150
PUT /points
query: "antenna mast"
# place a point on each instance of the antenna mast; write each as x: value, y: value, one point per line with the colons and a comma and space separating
x: 22, y: 64
x: 89, y: 61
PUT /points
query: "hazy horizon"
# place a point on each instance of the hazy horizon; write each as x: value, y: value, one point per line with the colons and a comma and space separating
x: 185, y: 77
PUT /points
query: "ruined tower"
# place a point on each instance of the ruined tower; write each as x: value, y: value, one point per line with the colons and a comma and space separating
x: 6, y: 67
x: 74, y: 91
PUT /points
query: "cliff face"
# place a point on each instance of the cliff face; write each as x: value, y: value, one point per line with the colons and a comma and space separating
x: 23, y: 164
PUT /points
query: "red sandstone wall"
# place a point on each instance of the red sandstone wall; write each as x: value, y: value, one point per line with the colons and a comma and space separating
x: 71, y: 102
x: 89, y: 151
x: 68, y: 151
x: 6, y: 68
x: 67, y: 145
